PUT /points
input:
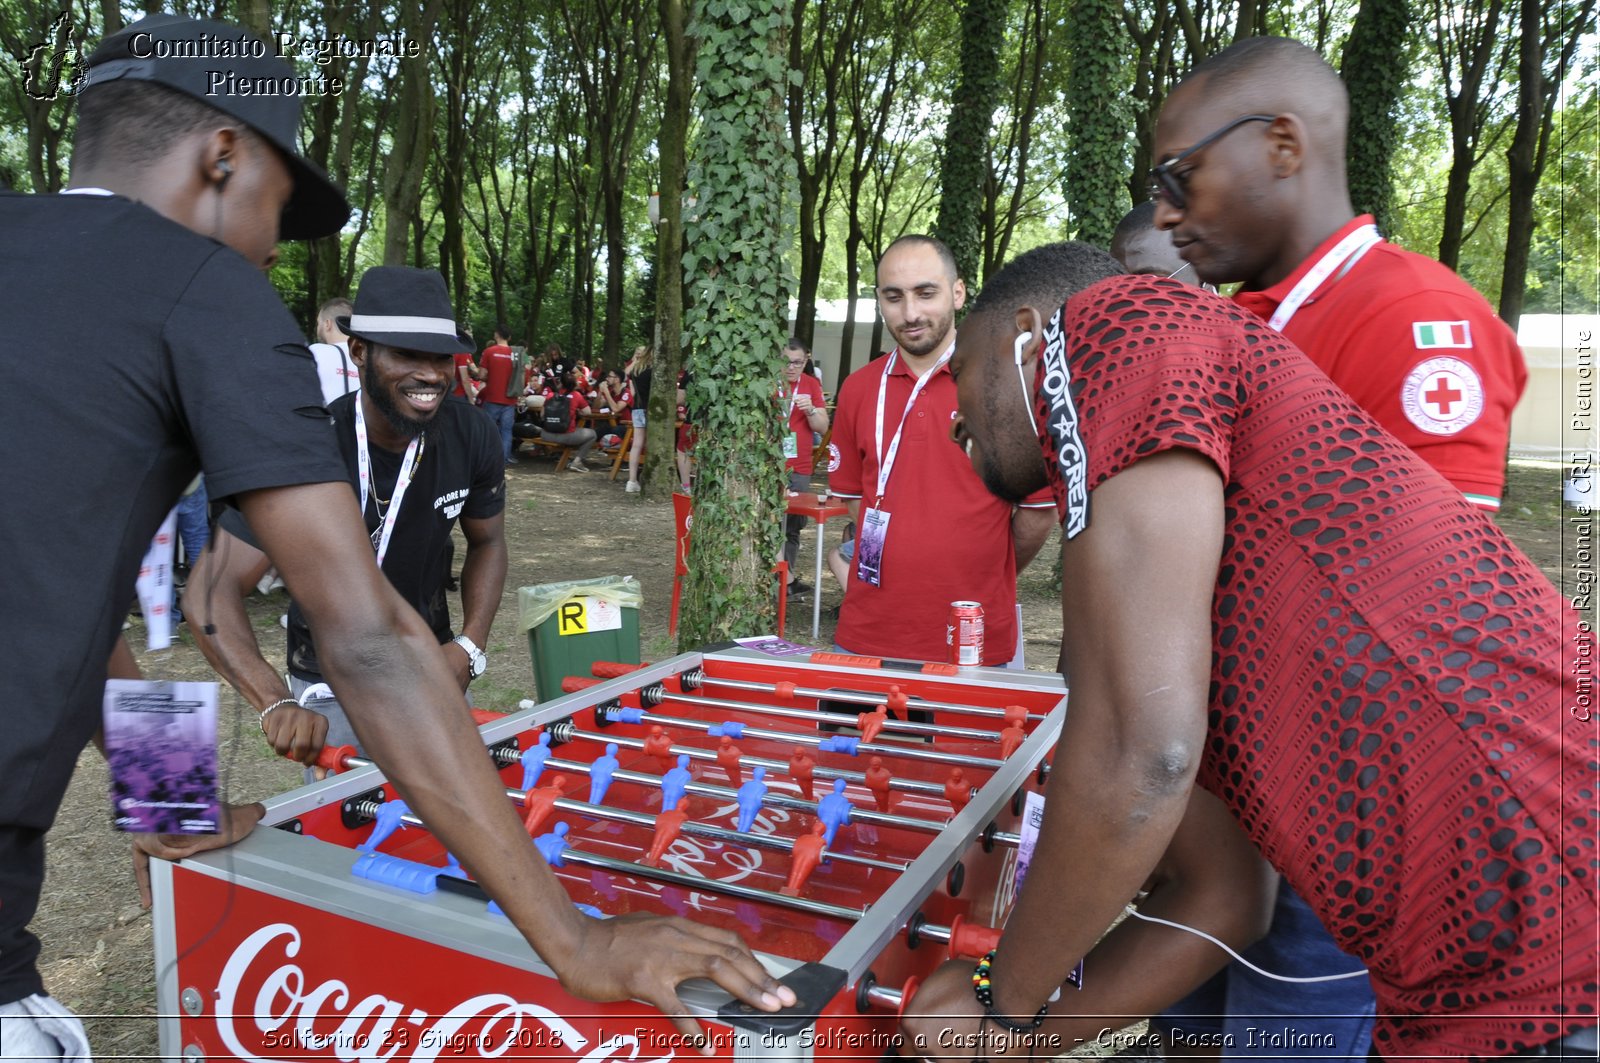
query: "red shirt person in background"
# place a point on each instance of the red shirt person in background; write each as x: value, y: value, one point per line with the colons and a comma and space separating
x: 806, y: 418
x: 500, y: 390
x: 559, y: 420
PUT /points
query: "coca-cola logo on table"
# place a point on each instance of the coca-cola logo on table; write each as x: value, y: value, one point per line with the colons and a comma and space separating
x: 268, y: 1009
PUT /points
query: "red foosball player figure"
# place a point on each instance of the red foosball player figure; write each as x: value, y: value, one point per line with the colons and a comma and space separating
x: 659, y: 745
x: 1010, y: 739
x: 728, y: 757
x: 872, y: 722
x: 541, y: 802
x: 957, y: 790
x: 878, y: 779
x: 668, y: 826
x: 800, y: 768
x: 807, y: 855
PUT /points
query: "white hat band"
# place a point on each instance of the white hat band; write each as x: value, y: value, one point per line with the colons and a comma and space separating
x: 440, y: 326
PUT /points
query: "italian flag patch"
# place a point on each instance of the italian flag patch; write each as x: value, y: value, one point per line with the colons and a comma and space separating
x: 1430, y: 334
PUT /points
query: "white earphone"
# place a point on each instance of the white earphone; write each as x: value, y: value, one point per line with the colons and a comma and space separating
x: 1027, y: 393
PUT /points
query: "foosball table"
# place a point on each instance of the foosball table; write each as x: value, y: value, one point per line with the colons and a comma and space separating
x: 856, y: 822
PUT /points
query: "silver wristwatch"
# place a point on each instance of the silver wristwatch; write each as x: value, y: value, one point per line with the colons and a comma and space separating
x: 478, y: 660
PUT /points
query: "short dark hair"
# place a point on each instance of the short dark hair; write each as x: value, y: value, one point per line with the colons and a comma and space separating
x: 797, y: 344
x: 1044, y: 277
x: 1281, y: 58
x: 1140, y: 219
x: 503, y: 331
x: 943, y: 250
x: 135, y: 123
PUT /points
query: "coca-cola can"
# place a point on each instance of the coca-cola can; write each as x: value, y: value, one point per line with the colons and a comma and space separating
x: 963, y: 635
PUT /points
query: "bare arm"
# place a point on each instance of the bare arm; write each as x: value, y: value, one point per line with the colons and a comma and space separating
x: 213, y: 600
x: 1136, y: 648
x: 1210, y: 878
x: 1030, y: 528
x: 394, y: 682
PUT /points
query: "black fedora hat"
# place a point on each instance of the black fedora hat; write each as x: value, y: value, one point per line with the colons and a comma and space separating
x: 226, y: 67
x: 405, y: 308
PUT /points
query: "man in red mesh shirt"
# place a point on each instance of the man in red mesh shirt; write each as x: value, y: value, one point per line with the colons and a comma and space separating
x: 1265, y: 592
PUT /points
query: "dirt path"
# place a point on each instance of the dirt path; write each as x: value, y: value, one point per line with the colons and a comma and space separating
x: 97, y: 955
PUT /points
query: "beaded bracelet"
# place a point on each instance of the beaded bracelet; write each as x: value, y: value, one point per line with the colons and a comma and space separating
x: 984, y: 991
x: 276, y: 704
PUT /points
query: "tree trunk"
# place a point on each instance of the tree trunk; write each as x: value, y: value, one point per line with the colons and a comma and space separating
x: 660, y: 473
x: 413, y: 140
x: 1097, y: 170
x: 1376, y: 71
x: 743, y: 174
x: 963, y: 168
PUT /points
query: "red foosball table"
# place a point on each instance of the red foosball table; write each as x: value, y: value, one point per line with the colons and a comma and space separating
x: 855, y: 822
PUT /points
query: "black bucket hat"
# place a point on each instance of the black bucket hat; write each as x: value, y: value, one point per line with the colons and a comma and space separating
x: 227, y: 67
x: 405, y: 308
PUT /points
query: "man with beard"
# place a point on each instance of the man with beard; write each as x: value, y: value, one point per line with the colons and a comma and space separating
x: 419, y: 459
x: 907, y: 485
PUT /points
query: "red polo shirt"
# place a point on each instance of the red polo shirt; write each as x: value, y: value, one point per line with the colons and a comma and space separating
x: 1417, y: 348
x: 949, y: 539
x: 799, y: 426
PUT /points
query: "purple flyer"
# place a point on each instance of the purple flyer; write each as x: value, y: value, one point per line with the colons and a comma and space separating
x: 161, y: 743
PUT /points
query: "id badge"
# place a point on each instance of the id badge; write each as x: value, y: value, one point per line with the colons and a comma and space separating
x: 161, y: 744
x: 873, y: 529
x: 791, y: 446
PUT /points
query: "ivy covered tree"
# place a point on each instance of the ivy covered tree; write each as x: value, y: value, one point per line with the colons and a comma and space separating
x: 742, y: 174
x: 1097, y: 118
x: 1376, y: 69
x: 965, y: 164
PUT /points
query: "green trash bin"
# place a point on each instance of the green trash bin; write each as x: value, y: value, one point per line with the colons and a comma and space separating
x: 573, y: 624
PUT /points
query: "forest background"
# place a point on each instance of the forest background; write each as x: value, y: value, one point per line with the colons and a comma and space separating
x: 516, y: 147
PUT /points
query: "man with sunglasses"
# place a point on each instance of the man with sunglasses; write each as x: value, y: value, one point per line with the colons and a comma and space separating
x: 1252, y: 188
x: 1252, y: 185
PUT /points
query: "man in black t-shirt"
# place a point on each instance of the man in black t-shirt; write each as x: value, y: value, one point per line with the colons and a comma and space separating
x: 150, y: 280
x: 410, y: 449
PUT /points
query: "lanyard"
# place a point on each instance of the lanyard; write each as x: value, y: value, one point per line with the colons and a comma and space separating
x: 1351, y: 248
x: 886, y: 461
x: 793, y: 394
x: 408, y: 468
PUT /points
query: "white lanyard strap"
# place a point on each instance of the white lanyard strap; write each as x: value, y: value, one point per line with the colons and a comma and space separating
x: 886, y: 461
x: 408, y: 468
x: 1352, y: 245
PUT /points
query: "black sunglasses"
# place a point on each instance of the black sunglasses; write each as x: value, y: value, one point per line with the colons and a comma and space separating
x: 1164, y: 184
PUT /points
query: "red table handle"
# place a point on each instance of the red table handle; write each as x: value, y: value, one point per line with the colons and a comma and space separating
x: 332, y: 758
x: 574, y: 683
x: 613, y: 669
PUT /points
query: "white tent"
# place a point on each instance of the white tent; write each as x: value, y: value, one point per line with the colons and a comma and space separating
x: 1556, y: 419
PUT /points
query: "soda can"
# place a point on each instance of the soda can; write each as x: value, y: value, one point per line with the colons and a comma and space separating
x: 963, y: 635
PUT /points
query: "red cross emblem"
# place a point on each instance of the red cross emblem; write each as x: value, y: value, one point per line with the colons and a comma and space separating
x: 1443, y: 395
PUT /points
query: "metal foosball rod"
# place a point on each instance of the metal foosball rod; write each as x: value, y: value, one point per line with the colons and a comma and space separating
x: 825, y: 742
x: 369, y: 808
x: 981, y: 938
x: 566, y: 731
x: 555, y: 850
x: 896, y: 700
x: 774, y: 799
x: 344, y: 758
x: 656, y: 693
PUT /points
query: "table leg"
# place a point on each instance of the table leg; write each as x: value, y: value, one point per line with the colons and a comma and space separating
x: 816, y: 588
